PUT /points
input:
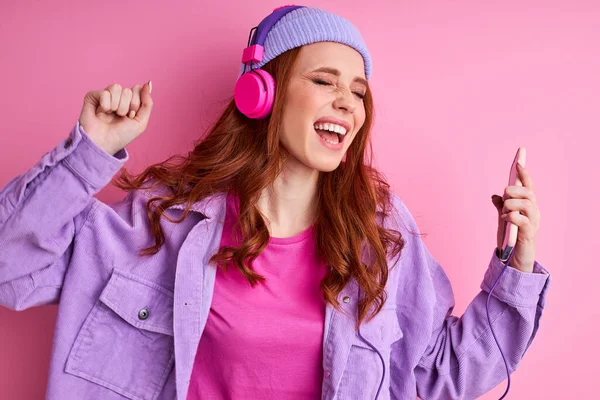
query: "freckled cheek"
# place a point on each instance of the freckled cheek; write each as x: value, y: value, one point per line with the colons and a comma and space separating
x: 296, y: 130
x: 312, y: 102
x: 355, y: 130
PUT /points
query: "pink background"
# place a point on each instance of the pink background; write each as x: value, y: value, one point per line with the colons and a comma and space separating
x: 459, y: 86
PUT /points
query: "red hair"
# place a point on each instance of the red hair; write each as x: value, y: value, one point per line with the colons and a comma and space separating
x: 244, y: 156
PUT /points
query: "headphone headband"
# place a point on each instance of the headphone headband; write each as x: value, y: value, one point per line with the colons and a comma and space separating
x: 267, y: 23
x: 255, y: 50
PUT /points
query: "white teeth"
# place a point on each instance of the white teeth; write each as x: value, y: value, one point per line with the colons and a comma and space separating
x: 331, y: 127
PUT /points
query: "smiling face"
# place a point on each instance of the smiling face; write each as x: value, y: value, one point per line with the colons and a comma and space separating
x: 325, y: 92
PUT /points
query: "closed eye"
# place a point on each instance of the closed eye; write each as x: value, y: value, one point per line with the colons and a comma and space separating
x: 325, y: 83
x: 321, y: 82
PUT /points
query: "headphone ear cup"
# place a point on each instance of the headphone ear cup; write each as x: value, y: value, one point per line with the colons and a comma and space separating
x: 250, y: 95
x: 269, y: 96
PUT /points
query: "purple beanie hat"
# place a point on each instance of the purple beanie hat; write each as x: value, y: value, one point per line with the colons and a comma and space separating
x: 306, y: 25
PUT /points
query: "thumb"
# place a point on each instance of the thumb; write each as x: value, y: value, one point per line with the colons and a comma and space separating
x: 143, y: 114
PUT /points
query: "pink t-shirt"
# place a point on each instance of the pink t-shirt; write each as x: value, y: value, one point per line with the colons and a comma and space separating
x: 264, y: 342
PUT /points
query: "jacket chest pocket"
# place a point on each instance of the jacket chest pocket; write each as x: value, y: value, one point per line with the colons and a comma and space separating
x: 126, y: 341
x: 364, y: 370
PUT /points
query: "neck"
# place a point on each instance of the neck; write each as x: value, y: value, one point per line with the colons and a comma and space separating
x: 290, y: 203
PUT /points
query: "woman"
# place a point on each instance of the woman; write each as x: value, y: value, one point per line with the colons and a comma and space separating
x: 270, y: 262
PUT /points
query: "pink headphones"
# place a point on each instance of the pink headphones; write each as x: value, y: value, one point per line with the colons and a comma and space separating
x: 255, y: 89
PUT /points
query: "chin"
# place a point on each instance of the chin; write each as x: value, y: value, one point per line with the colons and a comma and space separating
x: 322, y: 166
x: 316, y: 161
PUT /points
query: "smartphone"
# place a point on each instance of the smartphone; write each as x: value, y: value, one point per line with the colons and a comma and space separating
x: 510, y: 229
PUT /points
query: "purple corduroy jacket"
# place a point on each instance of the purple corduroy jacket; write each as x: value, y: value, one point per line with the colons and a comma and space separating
x: 128, y: 327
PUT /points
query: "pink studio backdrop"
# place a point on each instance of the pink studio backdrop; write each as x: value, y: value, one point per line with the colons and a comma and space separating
x: 459, y: 86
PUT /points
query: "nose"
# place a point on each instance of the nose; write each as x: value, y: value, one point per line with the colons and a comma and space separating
x: 345, y: 101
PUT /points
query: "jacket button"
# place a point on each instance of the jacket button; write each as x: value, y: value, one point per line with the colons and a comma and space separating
x: 143, y: 314
x: 346, y: 299
x: 68, y: 143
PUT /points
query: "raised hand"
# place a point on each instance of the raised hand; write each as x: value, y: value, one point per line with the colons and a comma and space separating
x: 114, y: 117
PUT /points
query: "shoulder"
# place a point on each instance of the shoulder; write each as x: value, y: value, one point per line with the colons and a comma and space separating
x: 399, y: 217
x: 131, y: 208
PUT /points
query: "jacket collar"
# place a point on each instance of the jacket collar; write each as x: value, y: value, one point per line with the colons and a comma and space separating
x: 210, y: 206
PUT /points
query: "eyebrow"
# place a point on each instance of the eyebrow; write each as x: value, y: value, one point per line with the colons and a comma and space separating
x: 335, y: 72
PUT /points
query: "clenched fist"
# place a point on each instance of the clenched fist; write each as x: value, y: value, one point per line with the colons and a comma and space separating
x: 114, y: 117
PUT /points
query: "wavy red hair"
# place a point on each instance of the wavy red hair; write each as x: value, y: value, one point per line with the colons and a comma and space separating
x: 244, y: 156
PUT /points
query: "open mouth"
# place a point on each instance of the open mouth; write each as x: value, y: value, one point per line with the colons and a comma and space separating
x: 330, y: 135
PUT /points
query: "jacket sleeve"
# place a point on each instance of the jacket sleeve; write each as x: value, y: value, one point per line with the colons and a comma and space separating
x: 41, y: 212
x: 461, y: 359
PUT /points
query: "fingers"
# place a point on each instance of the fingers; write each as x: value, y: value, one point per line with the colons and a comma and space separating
x: 518, y: 192
x: 523, y: 205
x: 518, y: 219
x: 518, y: 206
x: 524, y: 191
x: 135, y: 101
x: 514, y: 209
x: 115, y: 96
x: 96, y: 101
x: 124, y: 102
x: 104, y: 101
